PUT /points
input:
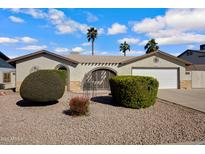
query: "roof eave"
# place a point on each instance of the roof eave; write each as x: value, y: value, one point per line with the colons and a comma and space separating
x: 154, y: 53
x: 41, y: 52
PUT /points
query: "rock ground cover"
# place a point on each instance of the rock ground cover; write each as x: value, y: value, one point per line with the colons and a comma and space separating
x: 107, y: 124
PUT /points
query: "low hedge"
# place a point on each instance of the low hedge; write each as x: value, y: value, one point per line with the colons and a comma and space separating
x: 43, y: 86
x: 134, y: 91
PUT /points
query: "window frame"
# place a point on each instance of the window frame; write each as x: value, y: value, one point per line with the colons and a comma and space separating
x: 7, y: 77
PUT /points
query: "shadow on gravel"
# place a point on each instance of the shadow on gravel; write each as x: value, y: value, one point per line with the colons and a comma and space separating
x: 104, y: 100
x: 68, y: 112
x: 72, y: 113
x: 23, y: 103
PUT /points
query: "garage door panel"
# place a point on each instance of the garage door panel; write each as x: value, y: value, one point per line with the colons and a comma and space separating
x: 198, y: 79
x: 167, y: 77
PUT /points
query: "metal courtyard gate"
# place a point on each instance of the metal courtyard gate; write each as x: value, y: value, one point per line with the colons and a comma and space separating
x: 98, y: 80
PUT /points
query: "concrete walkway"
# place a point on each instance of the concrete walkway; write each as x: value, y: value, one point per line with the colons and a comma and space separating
x: 194, y: 98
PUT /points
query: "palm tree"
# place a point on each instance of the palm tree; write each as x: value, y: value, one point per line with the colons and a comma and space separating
x: 151, y: 46
x: 124, y: 47
x: 91, y: 36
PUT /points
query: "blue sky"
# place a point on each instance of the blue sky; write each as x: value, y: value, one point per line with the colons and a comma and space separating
x: 24, y: 31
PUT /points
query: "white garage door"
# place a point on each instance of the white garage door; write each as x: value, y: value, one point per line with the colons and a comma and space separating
x: 167, y: 77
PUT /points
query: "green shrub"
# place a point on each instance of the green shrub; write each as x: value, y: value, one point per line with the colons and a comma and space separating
x: 42, y: 86
x: 63, y: 75
x: 134, y: 91
x: 79, y: 105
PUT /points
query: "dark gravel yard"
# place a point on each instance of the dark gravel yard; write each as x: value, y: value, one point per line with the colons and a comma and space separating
x: 107, y: 124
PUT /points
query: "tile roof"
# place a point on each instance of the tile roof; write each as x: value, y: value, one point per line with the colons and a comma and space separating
x: 3, y: 56
x: 202, y: 52
x: 197, y: 67
x: 41, y: 52
x: 171, y: 57
x: 99, y: 59
x: 4, y: 64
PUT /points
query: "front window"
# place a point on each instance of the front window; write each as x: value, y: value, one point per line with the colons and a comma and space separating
x: 7, y: 77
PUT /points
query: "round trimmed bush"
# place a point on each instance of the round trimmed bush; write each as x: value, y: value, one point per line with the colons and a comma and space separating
x: 134, y: 91
x: 42, y: 86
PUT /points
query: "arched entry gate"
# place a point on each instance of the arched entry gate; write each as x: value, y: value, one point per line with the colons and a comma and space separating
x: 98, y: 79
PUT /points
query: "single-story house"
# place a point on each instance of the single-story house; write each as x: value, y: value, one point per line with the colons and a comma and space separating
x: 197, y: 58
x: 84, y: 71
x: 7, y: 73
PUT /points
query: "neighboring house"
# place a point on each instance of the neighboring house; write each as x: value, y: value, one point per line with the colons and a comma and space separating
x: 84, y: 71
x: 194, y: 56
x: 7, y: 73
x: 197, y: 58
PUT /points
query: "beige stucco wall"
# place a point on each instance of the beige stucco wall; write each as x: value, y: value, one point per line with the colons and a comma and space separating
x: 43, y: 61
x: 148, y: 62
x: 78, y: 71
x: 162, y: 63
x: 8, y: 85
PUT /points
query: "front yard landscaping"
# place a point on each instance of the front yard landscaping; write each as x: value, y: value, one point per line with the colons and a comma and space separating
x: 107, y: 123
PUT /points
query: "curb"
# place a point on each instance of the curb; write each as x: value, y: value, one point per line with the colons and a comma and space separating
x: 168, y: 102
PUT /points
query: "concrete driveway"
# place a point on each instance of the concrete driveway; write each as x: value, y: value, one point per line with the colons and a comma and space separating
x: 194, y: 98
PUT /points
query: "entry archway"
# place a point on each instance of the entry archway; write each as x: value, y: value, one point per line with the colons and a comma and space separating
x: 98, y: 79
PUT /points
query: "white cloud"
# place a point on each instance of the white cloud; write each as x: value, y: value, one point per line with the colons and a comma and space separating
x: 135, y: 52
x: 101, y: 31
x: 65, y: 25
x: 16, y: 19
x: 77, y: 49
x: 185, y: 19
x: 91, y: 17
x: 33, y: 47
x: 180, y: 38
x: 25, y: 39
x: 62, y: 23
x: 149, y: 25
x: 62, y: 50
x: 35, y: 13
x: 64, y: 29
x: 117, y: 28
x: 129, y: 40
x: 177, y: 26
x: 56, y: 16
x: 164, y: 33
x: 190, y: 46
x: 8, y: 40
x: 178, y: 19
x: 85, y: 44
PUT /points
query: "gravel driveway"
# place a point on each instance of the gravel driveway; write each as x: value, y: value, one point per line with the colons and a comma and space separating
x: 107, y: 124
